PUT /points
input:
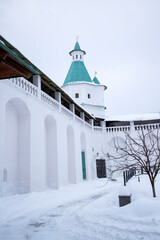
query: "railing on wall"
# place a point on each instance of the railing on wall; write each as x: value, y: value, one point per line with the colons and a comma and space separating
x: 30, y: 88
x: 147, y: 126
x: 22, y: 83
x: 79, y: 120
x: 66, y: 111
x: 117, y: 129
x: 98, y: 129
x: 88, y: 125
x: 51, y: 101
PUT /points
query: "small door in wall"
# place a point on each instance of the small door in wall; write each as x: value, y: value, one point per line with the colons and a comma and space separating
x: 101, y: 168
x: 83, y: 165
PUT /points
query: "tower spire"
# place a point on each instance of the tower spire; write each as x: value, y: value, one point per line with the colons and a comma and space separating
x: 77, y: 38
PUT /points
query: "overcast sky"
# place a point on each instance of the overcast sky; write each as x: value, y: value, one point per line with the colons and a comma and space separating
x: 121, y: 39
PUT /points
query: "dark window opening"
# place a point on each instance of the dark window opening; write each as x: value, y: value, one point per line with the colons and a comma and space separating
x: 77, y: 112
x: 87, y: 119
x: 89, y: 95
x: 65, y: 103
x: 77, y: 95
x: 80, y: 57
x: 76, y: 56
x: 47, y: 90
x: 97, y: 123
x: 117, y: 123
x: 73, y: 57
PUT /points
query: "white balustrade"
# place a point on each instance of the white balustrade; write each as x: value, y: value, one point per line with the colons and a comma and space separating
x: 51, y: 101
x: 22, y: 83
x: 88, y: 125
x: 66, y: 111
x: 98, y: 129
x: 147, y: 126
x: 79, y: 120
x: 118, y: 129
x: 30, y: 88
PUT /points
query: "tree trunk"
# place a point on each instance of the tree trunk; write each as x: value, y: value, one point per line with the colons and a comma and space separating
x: 153, y: 188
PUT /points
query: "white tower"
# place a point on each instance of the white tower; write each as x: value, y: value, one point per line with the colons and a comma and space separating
x: 78, y: 84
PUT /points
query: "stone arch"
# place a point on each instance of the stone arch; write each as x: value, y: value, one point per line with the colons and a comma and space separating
x: 83, y: 156
x: 71, y: 155
x: 51, y: 152
x: 17, y: 145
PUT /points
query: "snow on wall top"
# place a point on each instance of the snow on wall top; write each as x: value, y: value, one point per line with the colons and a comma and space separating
x: 134, y: 117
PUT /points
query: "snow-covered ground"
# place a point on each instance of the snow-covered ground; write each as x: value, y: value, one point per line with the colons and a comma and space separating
x: 85, y: 211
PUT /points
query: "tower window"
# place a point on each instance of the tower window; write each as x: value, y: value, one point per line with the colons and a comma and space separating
x: 73, y: 57
x: 77, y: 95
x: 89, y: 95
x: 76, y: 56
x: 80, y: 56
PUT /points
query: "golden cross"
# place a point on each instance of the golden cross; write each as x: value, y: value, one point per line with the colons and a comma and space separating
x: 95, y: 73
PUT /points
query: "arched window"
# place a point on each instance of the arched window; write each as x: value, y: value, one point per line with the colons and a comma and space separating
x: 77, y: 95
x: 76, y: 56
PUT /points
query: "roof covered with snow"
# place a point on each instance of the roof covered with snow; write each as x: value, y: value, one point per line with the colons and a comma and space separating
x: 134, y: 117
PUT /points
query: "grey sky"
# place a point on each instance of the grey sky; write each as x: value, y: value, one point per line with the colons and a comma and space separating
x: 121, y: 39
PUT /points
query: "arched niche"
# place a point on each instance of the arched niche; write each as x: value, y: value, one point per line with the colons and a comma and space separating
x: 51, y: 152
x: 17, y: 145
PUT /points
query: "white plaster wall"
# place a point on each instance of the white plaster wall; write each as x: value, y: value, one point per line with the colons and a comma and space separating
x: 38, y: 112
x: 51, y: 152
x: 35, y: 150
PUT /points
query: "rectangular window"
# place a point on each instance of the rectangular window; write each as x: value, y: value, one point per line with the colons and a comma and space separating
x: 76, y: 56
x: 89, y: 95
x: 77, y: 95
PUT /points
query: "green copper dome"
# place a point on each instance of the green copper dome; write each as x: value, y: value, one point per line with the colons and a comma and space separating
x: 95, y: 80
x: 77, y: 47
x: 77, y: 73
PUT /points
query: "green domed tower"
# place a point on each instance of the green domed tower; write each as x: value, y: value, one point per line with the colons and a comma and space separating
x: 79, y: 85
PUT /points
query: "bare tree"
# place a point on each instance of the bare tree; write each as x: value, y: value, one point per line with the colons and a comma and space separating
x: 142, y: 151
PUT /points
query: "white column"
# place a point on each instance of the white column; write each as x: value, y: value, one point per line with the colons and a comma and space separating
x: 72, y: 108
x: 132, y: 126
x: 103, y: 126
x: 82, y: 116
x: 58, y: 99
x: 37, y: 83
x: 91, y: 122
x: 38, y: 157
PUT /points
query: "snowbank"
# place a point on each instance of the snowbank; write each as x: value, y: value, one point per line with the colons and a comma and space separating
x: 88, y: 210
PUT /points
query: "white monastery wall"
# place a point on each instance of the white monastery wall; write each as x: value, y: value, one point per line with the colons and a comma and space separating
x: 41, y: 141
x: 41, y: 144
